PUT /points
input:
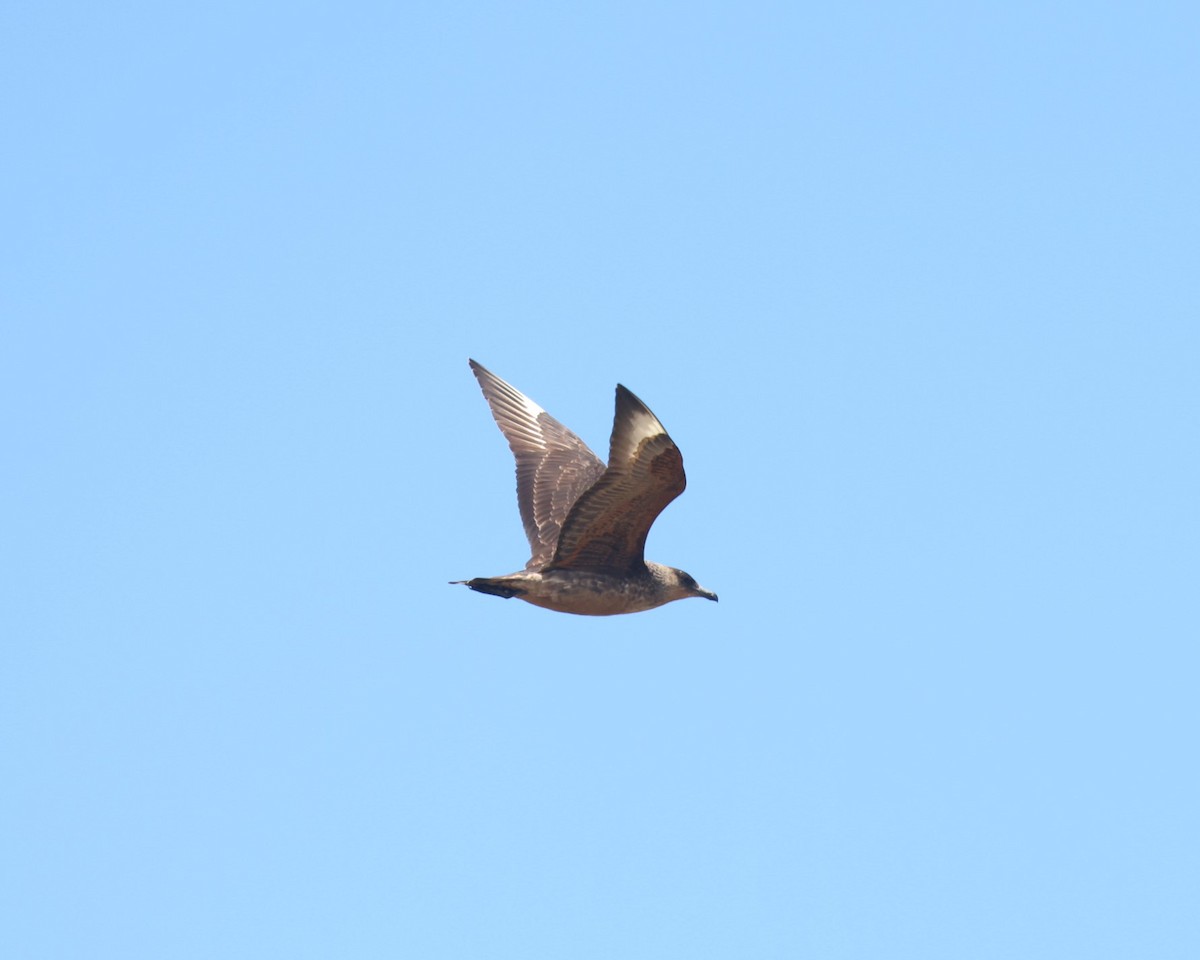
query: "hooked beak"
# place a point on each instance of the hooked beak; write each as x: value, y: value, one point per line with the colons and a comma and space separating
x: 706, y: 594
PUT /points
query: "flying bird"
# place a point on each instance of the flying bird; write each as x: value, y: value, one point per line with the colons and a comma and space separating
x: 587, y: 522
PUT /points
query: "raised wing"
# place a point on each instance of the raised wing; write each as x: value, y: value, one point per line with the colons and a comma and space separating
x: 553, y: 465
x: 606, y: 528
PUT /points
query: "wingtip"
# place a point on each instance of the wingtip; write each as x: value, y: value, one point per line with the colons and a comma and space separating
x: 481, y: 372
x: 624, y: 391
x: 629, y: 404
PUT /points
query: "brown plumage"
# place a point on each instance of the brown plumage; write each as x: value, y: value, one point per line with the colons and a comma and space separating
x: 587, y: 523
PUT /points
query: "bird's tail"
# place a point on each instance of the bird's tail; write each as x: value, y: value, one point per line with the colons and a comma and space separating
x: 494, y: 587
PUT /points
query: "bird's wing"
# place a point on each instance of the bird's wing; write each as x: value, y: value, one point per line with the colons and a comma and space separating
x: 606, y: 528
x: 553, y: 465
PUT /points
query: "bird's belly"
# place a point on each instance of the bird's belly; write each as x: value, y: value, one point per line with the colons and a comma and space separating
x: 591, y: 594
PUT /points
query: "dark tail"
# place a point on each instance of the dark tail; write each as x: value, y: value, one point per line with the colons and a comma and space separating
x: 494, y: 588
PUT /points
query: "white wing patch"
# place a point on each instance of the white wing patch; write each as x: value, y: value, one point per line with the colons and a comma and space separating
x: 645, y: 424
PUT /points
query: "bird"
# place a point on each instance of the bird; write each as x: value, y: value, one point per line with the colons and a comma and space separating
x: 586, y: 521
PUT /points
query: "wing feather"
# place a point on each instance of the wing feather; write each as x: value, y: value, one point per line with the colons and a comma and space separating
x: 608, y: 524
x: 554, y: 467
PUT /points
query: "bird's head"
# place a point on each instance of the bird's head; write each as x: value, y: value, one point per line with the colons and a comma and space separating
x: 679, y: 583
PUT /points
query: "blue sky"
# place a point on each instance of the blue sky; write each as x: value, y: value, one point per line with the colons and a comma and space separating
x: 913, y: 287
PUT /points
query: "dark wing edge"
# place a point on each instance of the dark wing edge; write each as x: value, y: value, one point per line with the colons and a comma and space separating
x: 553, y: 465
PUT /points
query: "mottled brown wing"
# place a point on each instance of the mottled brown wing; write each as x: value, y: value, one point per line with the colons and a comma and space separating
x: 553, y: 465
x: 607, y: 527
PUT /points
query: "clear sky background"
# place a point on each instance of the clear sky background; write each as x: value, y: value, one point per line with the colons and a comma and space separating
x: 913, y: 286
